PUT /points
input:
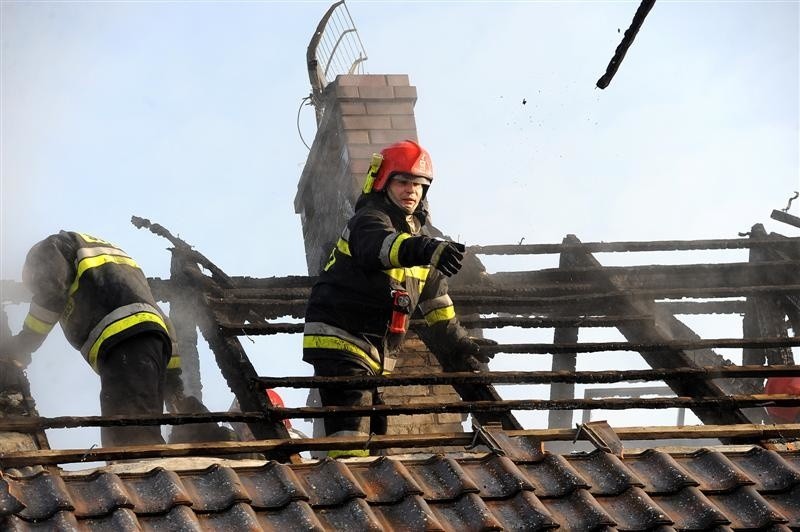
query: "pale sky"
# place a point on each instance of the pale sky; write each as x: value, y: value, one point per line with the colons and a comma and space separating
x: 185, y: 113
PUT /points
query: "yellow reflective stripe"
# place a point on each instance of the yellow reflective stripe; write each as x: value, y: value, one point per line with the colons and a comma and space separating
x: 174, y: 362
x: 418, y: 272
x: 440, y: 314
x: 38, y: 326
x: 415, y: 272
x: 394, y: 251
x: 398, y: 274
x: 119, y: 326
x: 93, y: 262
x: 331, y: 342
x: 343, y: 246
x: 94, y: 240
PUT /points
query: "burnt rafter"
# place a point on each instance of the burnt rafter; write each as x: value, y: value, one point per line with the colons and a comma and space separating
x: 666, y: 329
x: 194, y: 289
x: 532, y: 377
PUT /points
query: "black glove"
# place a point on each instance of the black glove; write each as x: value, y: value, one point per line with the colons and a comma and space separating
x: 471, y: 348
x: 482, y: 355
x: 445, y: 256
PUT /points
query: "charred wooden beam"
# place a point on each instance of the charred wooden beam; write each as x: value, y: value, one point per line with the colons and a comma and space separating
x: 609, y: 247
x: 668, y: 329
x: 733, y: 402
x: 703, y: 307
x: 515, y: 301
x: 786, y: 218
x: 627, y: 41
x: 270, y: 447
x: 252, y: 329
x: 653, y: 347
x: 27, y: 424
x: 532, y: 377
x: 561, y: 280
x: 567, y: 362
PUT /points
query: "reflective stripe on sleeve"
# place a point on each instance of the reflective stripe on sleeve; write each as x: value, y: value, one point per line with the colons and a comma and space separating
x: 437, y: 309
x: 390, y: 249
x: 38, y: 326
x: 441, y: 314
x: 174, y: 362
x: 41, y: 320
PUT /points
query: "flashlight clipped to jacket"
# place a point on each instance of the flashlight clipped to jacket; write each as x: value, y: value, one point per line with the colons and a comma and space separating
x: 401, y: 308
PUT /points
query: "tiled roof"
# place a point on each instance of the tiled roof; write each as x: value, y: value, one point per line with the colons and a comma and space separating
x: 729, y: 489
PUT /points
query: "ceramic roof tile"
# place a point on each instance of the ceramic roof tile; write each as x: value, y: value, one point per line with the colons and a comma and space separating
x: 385, y: 481
x: 691, y: 510
x: 466, y: 513
x: 410, y: 513
x: 578, y: 511
x: 553, y: 477
x: 634, y: 510
x: 441, y: 478
x: 155, y: 492
x: 713, y: 470
x: 768, y: 470
x: 179, y: 518
x: 355, y: 515
x: 297, y: 515
x: 747, y: 509
x: 239, y: 517
x: 43, y: 495
x: 120, y: 520
x: 328, y: 483
x: 9, y: 503
x: 606, y: 473
x: 98, y: 494
x: 520, y: 449
x: 787, y: 503
x: 659, y: 472
x: 64, y: 520
x: 214, y: 489
x: 522, y: 512
x: 272, y: 486
x: 496, y: 477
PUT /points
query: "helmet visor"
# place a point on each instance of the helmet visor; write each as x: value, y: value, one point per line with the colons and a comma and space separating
x: 411, y: 178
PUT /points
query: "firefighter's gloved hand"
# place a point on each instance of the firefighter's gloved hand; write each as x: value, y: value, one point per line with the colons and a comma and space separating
x: 445, y: 256
x: 472, y: 349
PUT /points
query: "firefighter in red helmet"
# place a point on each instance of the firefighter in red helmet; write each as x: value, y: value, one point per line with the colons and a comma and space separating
x: 380, y: 271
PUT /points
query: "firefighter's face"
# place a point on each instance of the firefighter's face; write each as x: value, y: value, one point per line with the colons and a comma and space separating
x: 404, y: 193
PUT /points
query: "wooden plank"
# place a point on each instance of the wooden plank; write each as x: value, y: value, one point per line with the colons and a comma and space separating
x: 609, y: 247
x: 533, y: 377
x: 501, y: 407
x: 28, y: 458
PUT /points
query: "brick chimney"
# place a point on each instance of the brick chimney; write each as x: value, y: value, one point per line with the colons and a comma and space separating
x: 362, y: 114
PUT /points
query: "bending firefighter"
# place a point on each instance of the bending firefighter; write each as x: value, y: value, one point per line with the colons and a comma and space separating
x: 380, y: 271
x: 106, y: 310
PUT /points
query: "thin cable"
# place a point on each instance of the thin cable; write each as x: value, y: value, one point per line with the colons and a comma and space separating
x: 302, y: 102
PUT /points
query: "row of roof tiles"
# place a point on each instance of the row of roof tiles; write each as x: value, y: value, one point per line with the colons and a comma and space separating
x: 756, y: 489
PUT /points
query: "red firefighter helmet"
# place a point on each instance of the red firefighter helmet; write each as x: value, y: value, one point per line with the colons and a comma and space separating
x: 276, y: 400
x: 405, y: 157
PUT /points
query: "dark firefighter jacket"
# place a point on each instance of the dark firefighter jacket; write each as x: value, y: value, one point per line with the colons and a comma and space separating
x: 94, y: 289
x: 351, y: 304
